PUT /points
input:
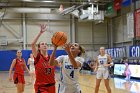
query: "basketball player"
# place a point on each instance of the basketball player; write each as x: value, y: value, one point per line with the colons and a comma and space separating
x: 18, y: 77
x: 103, y: 61
x: 45, y: 82
x: 127, y: 71
x: 92, y: 66
x: 70, y: 63
x: 31, y: 68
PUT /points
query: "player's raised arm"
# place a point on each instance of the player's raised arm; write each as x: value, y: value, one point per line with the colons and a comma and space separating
x: 52, y: 60
x: 71, y: 56
x: 42, y: 30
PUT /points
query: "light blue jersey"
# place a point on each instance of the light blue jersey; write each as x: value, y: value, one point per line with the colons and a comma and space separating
x: 68, y: 75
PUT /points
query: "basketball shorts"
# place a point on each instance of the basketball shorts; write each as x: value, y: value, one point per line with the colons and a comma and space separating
x: 65, y: 88
x: 49, y: 88
x: 18, y: 78
x: 102, y: 74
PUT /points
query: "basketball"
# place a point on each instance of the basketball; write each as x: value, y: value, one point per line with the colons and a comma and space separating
x: 59, y: 38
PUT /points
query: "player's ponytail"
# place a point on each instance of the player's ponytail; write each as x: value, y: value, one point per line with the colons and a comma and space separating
x: 82, y: 50
x: 38, y: 47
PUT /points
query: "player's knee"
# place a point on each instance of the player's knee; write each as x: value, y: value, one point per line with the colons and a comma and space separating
x: 97, y: 85
x: 107, y: 86
x: 19, y: 90
x: 22, y: 90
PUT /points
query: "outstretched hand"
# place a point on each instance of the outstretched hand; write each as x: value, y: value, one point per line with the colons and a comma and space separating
x: 43, y: 28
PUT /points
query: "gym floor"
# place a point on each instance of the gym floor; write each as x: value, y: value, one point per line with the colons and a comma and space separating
x: 87, y: 83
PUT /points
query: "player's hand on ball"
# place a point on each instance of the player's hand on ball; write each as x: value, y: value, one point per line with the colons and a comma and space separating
x: 55, y: 46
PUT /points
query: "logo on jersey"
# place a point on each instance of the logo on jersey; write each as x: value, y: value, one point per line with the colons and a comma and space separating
x: 102, y: 60
x: 68, y: 66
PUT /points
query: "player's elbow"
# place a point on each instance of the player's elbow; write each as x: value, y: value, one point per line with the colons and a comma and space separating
x: 75, y: 66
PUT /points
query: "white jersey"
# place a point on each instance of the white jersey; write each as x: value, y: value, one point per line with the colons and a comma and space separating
x: 68, y: 75
x: 31, y: 65
x: 101, y: 61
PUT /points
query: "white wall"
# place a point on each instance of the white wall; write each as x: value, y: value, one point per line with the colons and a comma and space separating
x: 90, y: 35
x: 53, y: 26
x: 13, y: 31
x: 120, y: 33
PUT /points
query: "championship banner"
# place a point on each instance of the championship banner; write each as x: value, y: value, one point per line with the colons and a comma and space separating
x: 117, y: 4
x: 134, y: 0
x: 130, y: 25
x: 137, y: 23
x: 110, y: 8
x: 126, y: 2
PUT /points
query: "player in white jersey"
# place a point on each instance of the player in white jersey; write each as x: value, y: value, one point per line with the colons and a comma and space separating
x: 70, y: 63
x: 31, y: 68
x: 103, y: 61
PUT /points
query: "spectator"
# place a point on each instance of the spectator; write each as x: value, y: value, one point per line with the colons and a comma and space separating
x: 127, y: 71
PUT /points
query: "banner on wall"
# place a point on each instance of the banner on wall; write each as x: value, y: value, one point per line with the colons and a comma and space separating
x: 134, y: 0
x: 130, y: 25
x: 117, y: 4
x: 134, y: 51
x: 126, y: 2
x: 137, y: 23
x: 110, y: 12
x: 116, y: 52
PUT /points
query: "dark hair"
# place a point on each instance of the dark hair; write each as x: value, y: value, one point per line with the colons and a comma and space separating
x: 39, y: 46
x: 124, y: 58
x: 82, y: 50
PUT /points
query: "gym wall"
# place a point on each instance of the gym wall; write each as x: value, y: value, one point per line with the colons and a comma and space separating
x: 7, y: 56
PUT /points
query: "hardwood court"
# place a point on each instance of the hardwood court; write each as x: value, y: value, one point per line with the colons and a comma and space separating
x: 86, y: 81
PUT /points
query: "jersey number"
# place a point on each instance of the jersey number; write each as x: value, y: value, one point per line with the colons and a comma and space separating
x: 48, y: 70
x: 72, y: 74
x: 101, y: 62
